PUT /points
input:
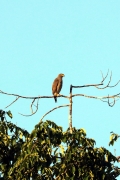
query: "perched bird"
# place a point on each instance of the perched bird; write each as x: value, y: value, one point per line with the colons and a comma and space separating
x: 57, y: 86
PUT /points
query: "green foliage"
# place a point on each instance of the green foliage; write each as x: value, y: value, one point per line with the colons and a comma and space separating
x: 49, y: 153
x: 10, y: 142
x: 113, y: 138
x: 9, y: 114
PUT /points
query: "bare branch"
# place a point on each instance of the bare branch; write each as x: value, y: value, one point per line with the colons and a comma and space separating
x: 100, y: 84
x: 96, y: 97
x: 102, y: 76
x: 32, y: 105
x: 115, y: 84
x: 29, y: 97
x: 12, y: 102
x: 33, y: 112
x: 110, y: 103
x: 53, y: 110
x: 88, y: 85
x: 108, y: 85
x: 108, y: 82
x: 105, y: 76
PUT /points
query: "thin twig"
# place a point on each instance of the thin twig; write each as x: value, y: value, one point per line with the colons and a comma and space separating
x: 110, y: 103
x: 96, y: 97
x: 33, y: 112
x: 115, y: 84
x: 107, y: 101
x: 32, y: 105
x: 53, y: 110
x: 100, y: 84
x: 107, y: 84
x: 12, y: 102
x: 105, y: 76
x: 88, y: 85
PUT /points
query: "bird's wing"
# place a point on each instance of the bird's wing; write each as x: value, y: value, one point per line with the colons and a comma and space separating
x: 54, y: 86
x: 59, y: 86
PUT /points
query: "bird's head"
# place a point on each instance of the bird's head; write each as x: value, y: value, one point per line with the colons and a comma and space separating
x: 61, y: 75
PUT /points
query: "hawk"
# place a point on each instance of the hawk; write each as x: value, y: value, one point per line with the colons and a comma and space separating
x: 57, y: 86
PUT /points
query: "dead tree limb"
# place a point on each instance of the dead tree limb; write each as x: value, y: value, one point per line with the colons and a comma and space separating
x: 70, y: 110
x: 29, y: 97
x: 100, y: 86
x: 111, y: 104
x: 53, y: 110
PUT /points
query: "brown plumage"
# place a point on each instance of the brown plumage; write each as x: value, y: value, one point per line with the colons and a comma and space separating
x: 57, y: 86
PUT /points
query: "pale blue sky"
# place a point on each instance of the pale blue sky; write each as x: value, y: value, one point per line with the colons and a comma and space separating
x: 40, y: 39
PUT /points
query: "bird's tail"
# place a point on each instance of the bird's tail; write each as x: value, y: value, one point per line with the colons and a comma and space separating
x: 55, y: 98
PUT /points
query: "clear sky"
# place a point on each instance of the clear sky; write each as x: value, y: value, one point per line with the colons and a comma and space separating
x: 40, y: 39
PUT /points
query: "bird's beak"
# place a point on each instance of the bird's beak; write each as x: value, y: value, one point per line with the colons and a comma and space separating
x: 63, y: 75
